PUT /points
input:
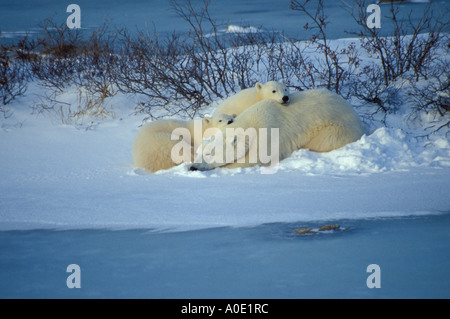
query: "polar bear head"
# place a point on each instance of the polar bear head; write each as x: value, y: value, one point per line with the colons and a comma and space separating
x: 211, y: 125
x: 273, y: 90
x: 218, y: 120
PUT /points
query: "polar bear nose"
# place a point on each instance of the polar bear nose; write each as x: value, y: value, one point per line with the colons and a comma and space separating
x: 230, y: 121
x: 285, y: 99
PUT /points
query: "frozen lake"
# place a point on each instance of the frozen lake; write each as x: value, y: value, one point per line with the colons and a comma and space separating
x: 267, y: 261
x: 24, y: 16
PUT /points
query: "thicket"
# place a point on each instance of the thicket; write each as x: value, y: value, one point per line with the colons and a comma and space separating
x: 183, y: 73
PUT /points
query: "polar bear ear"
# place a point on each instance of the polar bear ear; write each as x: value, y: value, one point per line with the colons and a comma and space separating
x: 207, y: 120
x: 281, y: 81
x: 258, y: 86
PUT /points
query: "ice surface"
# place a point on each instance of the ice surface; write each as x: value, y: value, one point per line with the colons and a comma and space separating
x: 267, y: 261
x: 23, y: 16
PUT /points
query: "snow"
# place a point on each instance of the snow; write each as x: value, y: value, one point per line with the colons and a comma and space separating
x: 62, y: 176
x: 238, y: 29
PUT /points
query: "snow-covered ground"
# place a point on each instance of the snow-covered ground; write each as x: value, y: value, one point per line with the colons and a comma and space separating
x: 60, y: 176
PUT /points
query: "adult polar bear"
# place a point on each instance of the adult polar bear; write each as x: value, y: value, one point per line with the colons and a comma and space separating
x: 318, y: 120
x: 154, y: 143
x: 238, y: 103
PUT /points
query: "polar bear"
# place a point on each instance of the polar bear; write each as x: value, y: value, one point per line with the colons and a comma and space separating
x: 152, y: 148
x: 239, y: 102
x: 318, y: 120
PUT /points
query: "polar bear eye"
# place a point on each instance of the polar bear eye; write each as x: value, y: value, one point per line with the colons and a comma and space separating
x: 274, y: 91
x: 220, y: 121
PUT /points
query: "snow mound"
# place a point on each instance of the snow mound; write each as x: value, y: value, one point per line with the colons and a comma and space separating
x: 239, y: 29
x: 385, y: 150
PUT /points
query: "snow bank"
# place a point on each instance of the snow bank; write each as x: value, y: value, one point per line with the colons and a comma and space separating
x: 384, y: 150
x: 16, y: 34
x: 239, y: 29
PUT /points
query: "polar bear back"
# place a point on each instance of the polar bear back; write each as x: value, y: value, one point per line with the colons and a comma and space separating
x: 153, y: 145
x: 318, y: 120
x: 326, y: 120
x: 238, y: 103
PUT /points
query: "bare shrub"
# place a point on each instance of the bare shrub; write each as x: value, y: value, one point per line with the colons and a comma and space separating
x: 180, y: 75
x: 330, y: 70
x: 69, y: 61
x: 158, y: 74
x: 432, y: 97
x: 409, y: 47
x: 13, y: 78
x: 406, y: 58
x: 55, y: 66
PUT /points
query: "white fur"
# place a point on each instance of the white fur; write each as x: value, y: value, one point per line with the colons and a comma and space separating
x: 153, y: 144
x: 318, y: 120
x: 238, y: 103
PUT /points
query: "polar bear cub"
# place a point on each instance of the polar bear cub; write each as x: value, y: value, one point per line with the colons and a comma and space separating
x: 154, y: 143
x: 318, y: 120
x: 238, y: 103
